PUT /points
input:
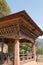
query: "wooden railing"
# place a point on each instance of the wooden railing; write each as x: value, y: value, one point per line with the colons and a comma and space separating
x: 25, y: 58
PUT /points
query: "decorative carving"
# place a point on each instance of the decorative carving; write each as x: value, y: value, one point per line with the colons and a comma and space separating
x: 24, y: 29
x: 10, y: 29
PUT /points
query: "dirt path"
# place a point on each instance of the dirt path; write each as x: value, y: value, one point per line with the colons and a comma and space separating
x: 33, y: 63
x: 28, y: 63
x: 40, y: 63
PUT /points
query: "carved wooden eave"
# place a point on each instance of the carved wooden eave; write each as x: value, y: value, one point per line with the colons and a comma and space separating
x: 19, y: 25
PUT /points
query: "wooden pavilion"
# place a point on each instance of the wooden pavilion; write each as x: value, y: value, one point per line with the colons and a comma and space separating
x: 19, y: 27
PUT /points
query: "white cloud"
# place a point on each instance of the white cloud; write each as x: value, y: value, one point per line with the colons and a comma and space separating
x: 41, y: 37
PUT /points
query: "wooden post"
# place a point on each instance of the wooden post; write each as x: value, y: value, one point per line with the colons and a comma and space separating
x: 16, y: 53
x: 23, y: 57
x: 27, y: 55
x: 34, y: 51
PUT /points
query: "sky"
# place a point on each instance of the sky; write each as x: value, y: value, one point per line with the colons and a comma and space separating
x: 34, y: 8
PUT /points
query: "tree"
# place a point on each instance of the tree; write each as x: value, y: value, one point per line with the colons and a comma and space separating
x: 39, y: 51
x: 4, y: 8
x: 24, y: 47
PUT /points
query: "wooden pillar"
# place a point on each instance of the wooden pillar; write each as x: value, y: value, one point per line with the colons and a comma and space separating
x: 27, y: 55
x: 34, y: 51
x: 16, y: 53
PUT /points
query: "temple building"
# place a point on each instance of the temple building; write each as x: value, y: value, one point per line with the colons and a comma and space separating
x: 17, y: 28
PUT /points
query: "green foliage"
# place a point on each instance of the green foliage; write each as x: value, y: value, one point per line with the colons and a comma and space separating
x: 38, y: 49
x: 25, y: 47
x: 4, y: 7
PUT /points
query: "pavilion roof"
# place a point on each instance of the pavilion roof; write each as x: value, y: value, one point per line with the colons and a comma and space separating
x: 28, y: 24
